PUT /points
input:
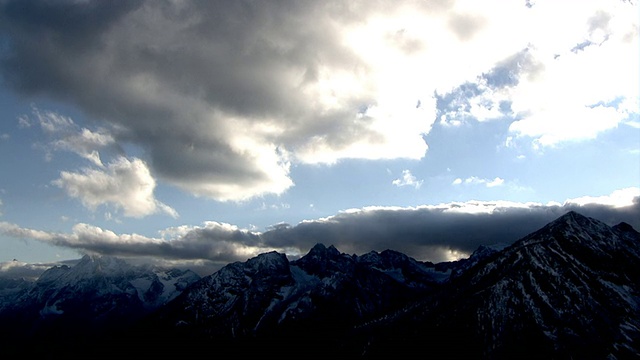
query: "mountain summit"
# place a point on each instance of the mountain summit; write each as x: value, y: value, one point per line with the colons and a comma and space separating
x: 569, y: 290
x: 95, y: 296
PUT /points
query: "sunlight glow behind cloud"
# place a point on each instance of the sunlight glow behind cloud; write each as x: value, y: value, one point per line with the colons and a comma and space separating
x: 430, y: 232
x: 356, y: 80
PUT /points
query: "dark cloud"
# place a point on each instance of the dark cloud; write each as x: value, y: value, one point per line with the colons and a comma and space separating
x: 213, y: 90
x: 432, y: 233
x: 140, y: 65
x: 47, y: 38
x: 224, y: 95
x: 214, y: 242
x: 424, y: 232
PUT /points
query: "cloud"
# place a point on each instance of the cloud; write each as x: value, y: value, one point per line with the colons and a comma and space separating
x: 465, y: 25
x: 577, y: 123
x: 560, y: 85
x: 20, y: 270
x: 65, y: 134
x: 617, y: 199
x: 490, y: 95
x: 207, y: 247
x: 223, y: 105
x: 473, y: 180
x: 433, y: 232
x: 407, y: 179
x: 264, y: 206
x: 125, y: 184
x: 430, y: 232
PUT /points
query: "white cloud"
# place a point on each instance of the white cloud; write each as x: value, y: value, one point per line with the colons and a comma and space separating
x: 222, y: 108
x: 582, y: 93
x: 407, y: 179
x: 617, y: 199
x: 474, y: 180
x: 495, y: 182
x: 24, y: 122
x: 569, y: 80
x: 553, y: 126
x: 66, y: 135
x: 125, y: 184
x: 265, y: 206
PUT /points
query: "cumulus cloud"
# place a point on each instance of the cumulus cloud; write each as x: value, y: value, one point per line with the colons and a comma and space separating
x: 223, y: 104
x: 125, y: 184
x: 430, y: 232
x: 407, y: 179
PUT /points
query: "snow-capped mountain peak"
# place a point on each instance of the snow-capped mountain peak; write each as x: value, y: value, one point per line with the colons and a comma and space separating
x: 569, y: 290
x: 94, y: 294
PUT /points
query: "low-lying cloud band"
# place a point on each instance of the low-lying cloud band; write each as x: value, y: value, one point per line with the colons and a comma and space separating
x: 432, y: 233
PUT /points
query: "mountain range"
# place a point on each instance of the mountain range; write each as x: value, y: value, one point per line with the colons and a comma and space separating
x: 80, y: 303
x: 569, y: 290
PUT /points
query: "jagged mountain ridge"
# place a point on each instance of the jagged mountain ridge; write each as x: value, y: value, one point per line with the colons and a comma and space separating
x: 577, y: 282
x: 96, y: 294
x: 568, y: 290
x: 323, y: 288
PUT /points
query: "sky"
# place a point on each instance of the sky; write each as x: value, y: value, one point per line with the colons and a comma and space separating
x: 197, y: 133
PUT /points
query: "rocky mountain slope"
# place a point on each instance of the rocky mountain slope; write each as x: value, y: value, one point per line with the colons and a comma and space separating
x: 268, y: 302
x: 568, y: 290
x: 91, y: 297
